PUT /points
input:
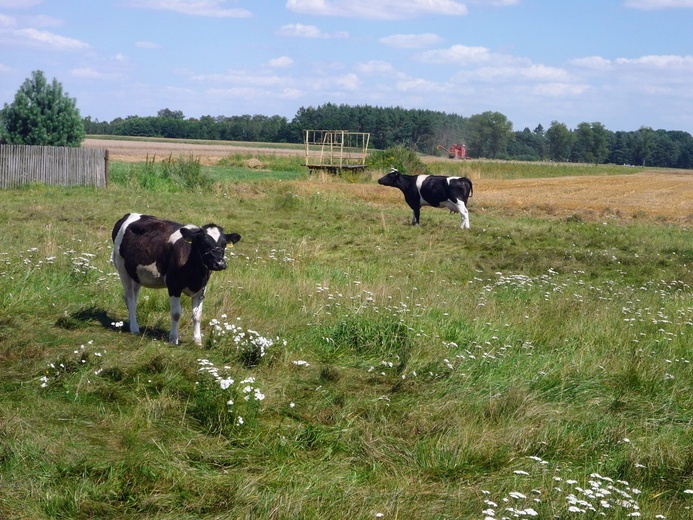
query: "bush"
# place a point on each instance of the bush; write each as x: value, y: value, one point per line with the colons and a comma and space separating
x: 404, y: 159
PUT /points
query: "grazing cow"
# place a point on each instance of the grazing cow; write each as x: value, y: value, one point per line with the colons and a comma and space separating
x: 432, y: 190
x: 158, y: 253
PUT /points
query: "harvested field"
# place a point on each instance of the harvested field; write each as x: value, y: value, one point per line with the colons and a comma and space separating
x: 641, y: 195
x: 659, y: 194
x: 209, y: 154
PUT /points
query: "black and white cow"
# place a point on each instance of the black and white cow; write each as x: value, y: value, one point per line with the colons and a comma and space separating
x: 156, y: 253
x: 437, y: 191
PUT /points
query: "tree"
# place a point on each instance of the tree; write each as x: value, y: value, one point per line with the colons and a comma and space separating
x: 170, y: 114
x: 488, y: 135
x: 41, y: 114
x: 590, y: 143
x: 559, y: 140
x: 620, y: 148
x: 525, y: 146
x: 666, y: 152
x: 643, y: 145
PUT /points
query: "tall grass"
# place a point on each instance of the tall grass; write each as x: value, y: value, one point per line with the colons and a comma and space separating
x: 353, y: 366
x: 169, y: 175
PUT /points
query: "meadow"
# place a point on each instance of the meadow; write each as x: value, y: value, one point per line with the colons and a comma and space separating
x: 352, y: 366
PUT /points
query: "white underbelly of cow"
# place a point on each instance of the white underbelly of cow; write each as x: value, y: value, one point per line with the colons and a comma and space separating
x: 150, y: 276
x: 452, y: 207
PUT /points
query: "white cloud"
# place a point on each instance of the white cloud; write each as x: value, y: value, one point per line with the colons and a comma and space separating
x: 299, y: 30
x: 32, y: 21
x: 7, y: 21
x: 649, y: 5
x: 462, y: 55
x: 378, y: 9
x: 209, y: 8
x: 376, y: 67
x: 660, y: 62
x: 411, y: 41
x: 419, y: 85
x: 593, y: 62
x: 147, y: 45
x: 541, y: 73
x: 48, y: 39
x: 560, y: 90
x: 509, y: 74
x: 18, y: 4
x: 348, y: 82
x: 90, y: 73
x: 281, y: 62
x: 291, y: 93
x: 242, y: 78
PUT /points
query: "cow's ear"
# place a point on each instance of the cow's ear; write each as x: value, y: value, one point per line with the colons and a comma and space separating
x: 231, y: 239
x: 188, y: 234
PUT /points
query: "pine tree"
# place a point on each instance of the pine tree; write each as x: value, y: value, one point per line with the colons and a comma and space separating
x: 41, y: 115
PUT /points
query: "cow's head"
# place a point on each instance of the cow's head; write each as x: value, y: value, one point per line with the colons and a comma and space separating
x: 209, y: 243
x: 391, y: 179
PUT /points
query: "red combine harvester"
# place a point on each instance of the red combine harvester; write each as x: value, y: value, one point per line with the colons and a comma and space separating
x: 456, y: 151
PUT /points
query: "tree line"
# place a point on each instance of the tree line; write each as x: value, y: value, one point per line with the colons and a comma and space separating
x: 487, y: 135
x: 42, y: 114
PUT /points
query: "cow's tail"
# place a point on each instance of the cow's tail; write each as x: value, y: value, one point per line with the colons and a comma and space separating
x: 471, y: 187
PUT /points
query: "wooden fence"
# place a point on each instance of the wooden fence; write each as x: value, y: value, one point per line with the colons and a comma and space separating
x: 58, y: 165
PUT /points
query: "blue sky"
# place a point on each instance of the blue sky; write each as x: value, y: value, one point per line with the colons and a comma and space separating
x: 624, y: 63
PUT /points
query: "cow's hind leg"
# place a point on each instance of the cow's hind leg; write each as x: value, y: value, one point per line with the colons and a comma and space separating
x: 131, y: 290
x: 176, y: 313
x: 462, y: 210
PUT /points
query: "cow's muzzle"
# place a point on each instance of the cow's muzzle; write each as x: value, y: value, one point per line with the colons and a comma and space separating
x: 219, y: 265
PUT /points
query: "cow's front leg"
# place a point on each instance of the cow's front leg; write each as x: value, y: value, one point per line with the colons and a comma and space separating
x: 416, y: 213
x: 197, y: 315
x: 176, y: 313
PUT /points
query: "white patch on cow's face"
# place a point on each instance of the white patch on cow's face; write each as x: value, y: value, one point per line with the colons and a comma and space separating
x: 150, y: 276
x: 214, y: 233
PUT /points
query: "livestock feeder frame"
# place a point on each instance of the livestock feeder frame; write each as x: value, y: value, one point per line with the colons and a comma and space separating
x: 336, y: 151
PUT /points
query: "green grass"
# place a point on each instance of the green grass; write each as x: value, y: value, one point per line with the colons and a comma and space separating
x: 416, y: 372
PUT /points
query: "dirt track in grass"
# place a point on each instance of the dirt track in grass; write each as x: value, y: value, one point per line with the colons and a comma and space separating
x: 656, y: 194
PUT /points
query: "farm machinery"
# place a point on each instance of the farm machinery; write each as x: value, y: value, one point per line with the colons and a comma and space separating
x: 456, y: 151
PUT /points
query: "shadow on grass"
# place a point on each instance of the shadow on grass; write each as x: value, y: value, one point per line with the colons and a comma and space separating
x: 78, y: 320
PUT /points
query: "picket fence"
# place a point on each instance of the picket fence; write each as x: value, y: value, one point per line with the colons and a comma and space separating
x: 57, y: 165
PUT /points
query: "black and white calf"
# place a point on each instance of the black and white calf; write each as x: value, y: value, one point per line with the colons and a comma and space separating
x: 437, y: 191
x: 156, y: 253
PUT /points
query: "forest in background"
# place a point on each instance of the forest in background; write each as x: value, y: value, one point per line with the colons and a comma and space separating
x: 487, y: 135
